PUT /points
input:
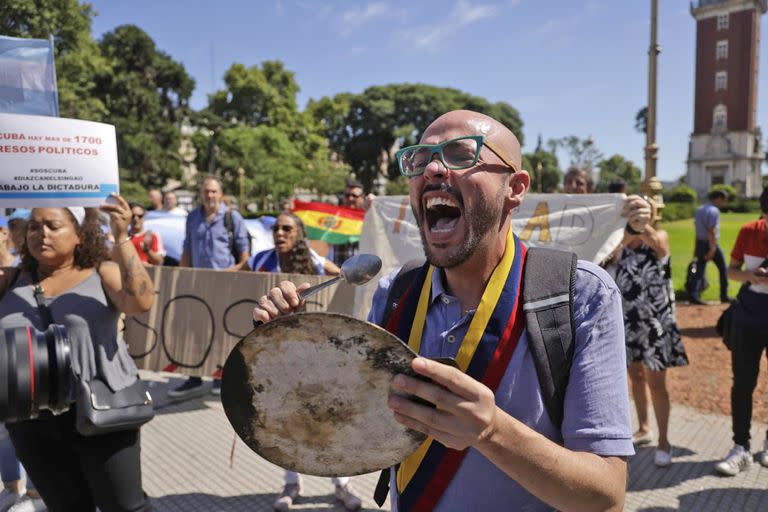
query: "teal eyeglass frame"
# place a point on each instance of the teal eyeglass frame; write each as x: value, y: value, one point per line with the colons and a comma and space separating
x: 437, y: 149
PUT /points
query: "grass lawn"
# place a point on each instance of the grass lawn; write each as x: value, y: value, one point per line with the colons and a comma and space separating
x: 682, y: 237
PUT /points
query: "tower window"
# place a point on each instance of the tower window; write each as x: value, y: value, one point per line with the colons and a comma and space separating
x: 722, y: 21
x: 721, y: 49
x: 720, y: 118
x: 721, y: 80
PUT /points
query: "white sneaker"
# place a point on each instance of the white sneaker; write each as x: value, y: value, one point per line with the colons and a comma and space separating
x: 29, y: 504
x: 284, y: 502
x: 663, y: 459
x: 348, y: 498
x: 8, y: 498
x: 737, y: 460
x: 763, y: 457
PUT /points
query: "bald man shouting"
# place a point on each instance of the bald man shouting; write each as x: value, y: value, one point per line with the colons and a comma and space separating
x: 493, y: 447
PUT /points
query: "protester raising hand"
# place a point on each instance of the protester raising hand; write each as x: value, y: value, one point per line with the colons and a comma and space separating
x: 65, y: 266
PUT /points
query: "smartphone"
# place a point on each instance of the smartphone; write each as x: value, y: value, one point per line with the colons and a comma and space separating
x: 112, y: 200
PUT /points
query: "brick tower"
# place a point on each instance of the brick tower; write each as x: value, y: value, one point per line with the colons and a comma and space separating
x: 726, y: 146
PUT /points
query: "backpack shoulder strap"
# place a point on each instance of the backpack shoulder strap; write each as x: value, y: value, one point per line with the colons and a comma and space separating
x: 400, y: 285
x: 549, y: 280
x: 229, y: 225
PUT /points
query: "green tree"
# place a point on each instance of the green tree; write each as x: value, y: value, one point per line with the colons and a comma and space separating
x: 79, y: 63
x: 255, y: 124
x: 550, y: 173
x: 367, y: 129
x: 641, y: 120
x: 258, y: 96
x: 146, y: 96
x: 582, y: 152
x: 618, y: 168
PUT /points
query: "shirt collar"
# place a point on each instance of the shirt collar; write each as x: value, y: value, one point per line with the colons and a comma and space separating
x: 437, y: 285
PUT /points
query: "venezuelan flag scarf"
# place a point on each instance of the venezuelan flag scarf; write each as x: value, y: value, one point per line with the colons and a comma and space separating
x: 484, y: 355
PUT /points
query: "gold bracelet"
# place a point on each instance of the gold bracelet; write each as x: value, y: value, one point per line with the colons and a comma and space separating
x: 124, y: 241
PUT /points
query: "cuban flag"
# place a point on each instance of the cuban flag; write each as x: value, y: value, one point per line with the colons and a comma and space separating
x: 28, y: 77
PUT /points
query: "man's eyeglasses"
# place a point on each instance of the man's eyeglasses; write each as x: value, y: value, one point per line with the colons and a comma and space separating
x: 284, y: 229
x: 351, y: 195
x: 138, y: 215
x: 455, y: 154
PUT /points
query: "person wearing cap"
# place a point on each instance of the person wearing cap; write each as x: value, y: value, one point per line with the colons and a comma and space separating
x: 17, y: 228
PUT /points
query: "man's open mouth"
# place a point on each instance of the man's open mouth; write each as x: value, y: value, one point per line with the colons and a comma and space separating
x: 442, y: 214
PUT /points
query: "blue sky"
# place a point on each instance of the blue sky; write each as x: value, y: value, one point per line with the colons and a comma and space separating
x: 569, y: 67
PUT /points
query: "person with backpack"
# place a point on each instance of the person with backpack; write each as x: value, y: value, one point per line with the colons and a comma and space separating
x: 493, y: 442
x: 216, y: 237
x: 747, y: 336
x: 707, y: 222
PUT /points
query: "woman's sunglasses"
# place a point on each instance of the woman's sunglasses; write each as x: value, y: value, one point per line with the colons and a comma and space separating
x: 284, y: 229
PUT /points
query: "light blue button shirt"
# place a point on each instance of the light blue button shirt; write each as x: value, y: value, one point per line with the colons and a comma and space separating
x: 596, y: 410
x: 706, y: 218
x: 207, y: 243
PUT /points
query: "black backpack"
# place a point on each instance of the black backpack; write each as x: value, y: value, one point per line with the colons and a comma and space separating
x: 229, y: 225
x: 549, y: 279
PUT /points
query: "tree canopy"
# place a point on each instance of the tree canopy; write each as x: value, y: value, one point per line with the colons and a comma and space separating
x: 146, y: 95
x: 254, y: 124
x: 618, y: 168
x: 367, y: 129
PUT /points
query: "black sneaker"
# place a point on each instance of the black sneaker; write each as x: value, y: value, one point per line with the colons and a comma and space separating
x: 216, y: 388
x: 697, y: 300
x: 191, y: 387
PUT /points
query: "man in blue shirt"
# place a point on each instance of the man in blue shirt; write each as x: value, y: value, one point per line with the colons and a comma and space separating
x: 465, y: 181
x: 707, y: 220
x: 209, y: 244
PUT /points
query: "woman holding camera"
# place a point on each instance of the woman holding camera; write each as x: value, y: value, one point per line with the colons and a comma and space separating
x: 66, y: 256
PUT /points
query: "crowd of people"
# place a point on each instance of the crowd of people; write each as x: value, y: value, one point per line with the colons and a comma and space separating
x: 465, y: 183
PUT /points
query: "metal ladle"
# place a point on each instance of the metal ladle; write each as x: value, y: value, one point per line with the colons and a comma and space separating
x: 357, y: 270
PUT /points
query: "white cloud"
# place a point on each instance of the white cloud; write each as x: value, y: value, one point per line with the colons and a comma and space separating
x: 463, y: 13
x: 354, y: 18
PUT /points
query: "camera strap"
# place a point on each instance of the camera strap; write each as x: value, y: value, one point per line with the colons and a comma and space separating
x: 45, y: 312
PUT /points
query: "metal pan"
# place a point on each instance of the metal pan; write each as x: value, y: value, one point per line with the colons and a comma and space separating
x: 308, y: 392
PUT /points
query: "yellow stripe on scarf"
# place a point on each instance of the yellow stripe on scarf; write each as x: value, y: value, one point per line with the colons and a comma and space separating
x: 468, y: 346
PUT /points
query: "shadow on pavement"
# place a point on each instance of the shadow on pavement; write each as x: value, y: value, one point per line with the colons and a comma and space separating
x: 250, y: 503
x: 644, y: 475
x: 166, y: 405
x: 700, y: 332
x: 715, y: 500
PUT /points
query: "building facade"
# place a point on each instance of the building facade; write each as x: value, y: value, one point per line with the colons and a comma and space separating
x: 726, y: 144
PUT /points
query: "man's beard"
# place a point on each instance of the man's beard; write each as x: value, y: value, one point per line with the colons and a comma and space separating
x: 484, y: 219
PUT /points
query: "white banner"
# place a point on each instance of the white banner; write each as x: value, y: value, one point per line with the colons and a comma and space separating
x: 50, y: 161
x: 589, y: 225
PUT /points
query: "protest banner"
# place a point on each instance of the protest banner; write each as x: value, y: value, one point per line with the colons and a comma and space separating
x: 200, y: 314
x: 51, y: 161
x: 589, y: 225
x: 28, y: 77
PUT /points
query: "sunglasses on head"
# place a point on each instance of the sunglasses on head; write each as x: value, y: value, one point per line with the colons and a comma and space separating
x: 284, y: 228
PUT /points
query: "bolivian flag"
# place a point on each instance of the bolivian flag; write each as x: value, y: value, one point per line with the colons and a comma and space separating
x: 329, y: 223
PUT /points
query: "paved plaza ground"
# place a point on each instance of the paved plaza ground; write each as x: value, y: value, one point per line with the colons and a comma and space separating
x: 186, y: 454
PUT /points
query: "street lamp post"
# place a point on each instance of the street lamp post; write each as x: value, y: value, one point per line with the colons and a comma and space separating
x: 241, y: 180
x: 538, y: 177
x: 651, y: 186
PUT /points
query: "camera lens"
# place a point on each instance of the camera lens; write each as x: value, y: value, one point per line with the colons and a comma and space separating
x: 35, y: 371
